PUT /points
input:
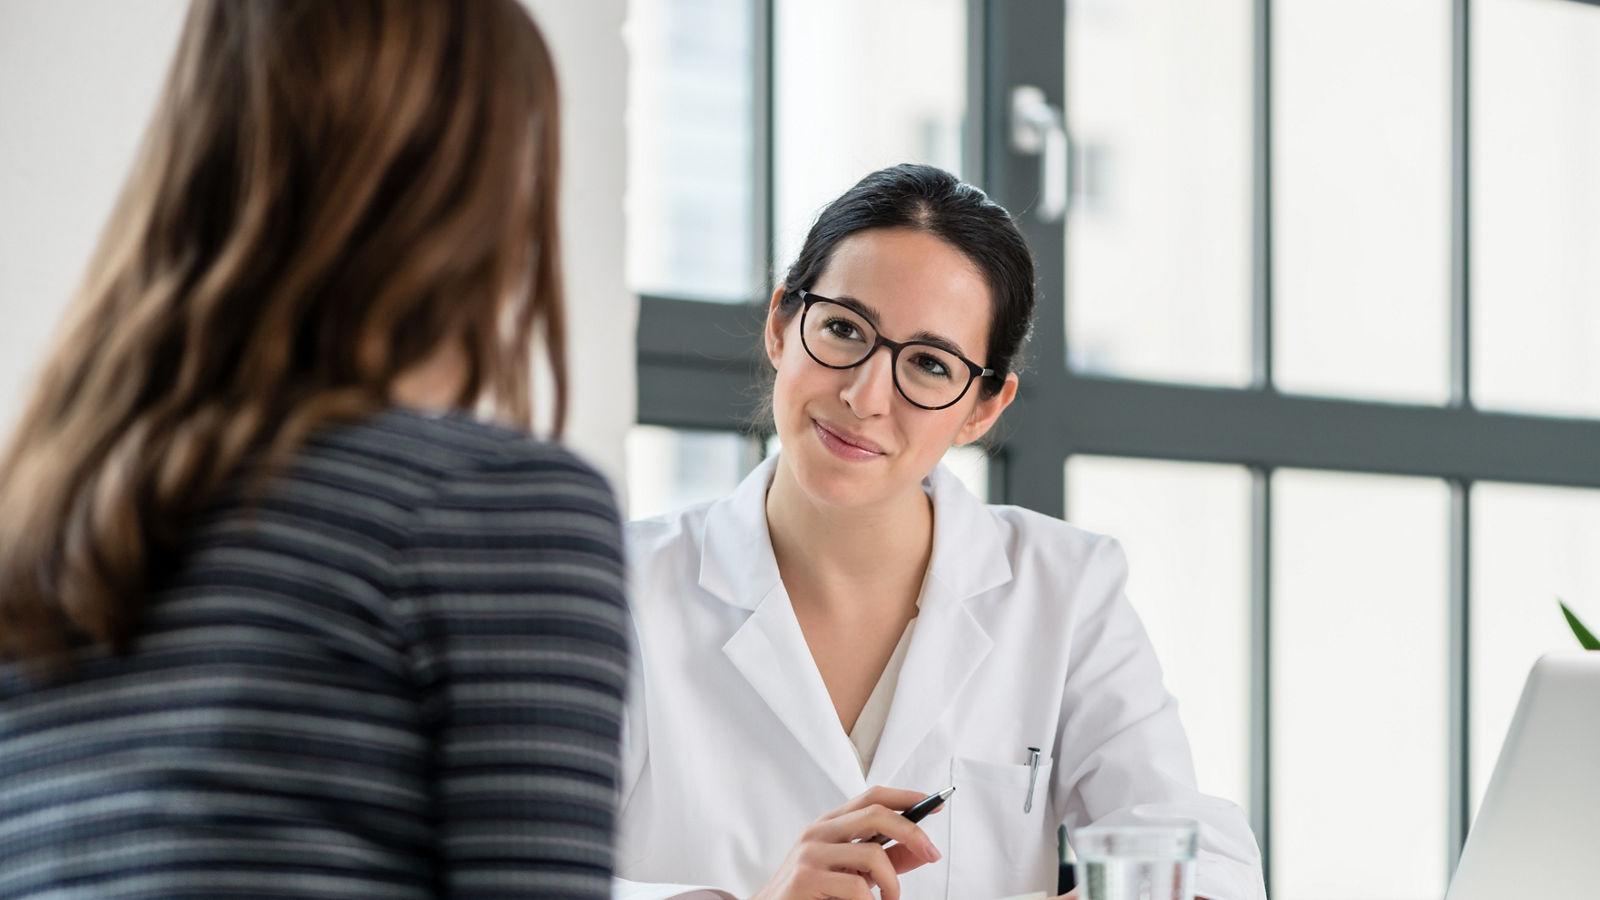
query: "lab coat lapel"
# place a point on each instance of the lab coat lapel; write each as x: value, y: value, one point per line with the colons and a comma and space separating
x: 771, y: 652
x: 949, y: 643
x: 768, y: 649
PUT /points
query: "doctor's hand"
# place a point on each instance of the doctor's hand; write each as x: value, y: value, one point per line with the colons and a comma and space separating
x: 834, y: 859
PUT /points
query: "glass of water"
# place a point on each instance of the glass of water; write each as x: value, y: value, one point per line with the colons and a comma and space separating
x: 1145, y: 862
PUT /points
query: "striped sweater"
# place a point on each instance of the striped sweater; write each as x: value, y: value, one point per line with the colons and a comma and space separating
x: 399, y: 674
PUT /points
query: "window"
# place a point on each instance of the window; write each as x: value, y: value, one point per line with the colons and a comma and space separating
x: 691, y: 197
x: 1361, y: 198
x: 907, y: 55
x: 1360, y: 639
x: 670, y: 468
x: 1141, y: 80
x: 1185, y: 528
x: 1535, y: 189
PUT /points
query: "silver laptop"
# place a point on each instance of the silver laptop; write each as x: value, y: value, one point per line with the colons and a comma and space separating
x: 1537, y: 833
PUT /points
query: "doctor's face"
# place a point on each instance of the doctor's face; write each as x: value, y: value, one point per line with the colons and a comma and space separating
x: 850, y: 438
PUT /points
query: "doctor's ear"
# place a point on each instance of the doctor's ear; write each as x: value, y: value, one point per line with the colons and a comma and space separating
x: 772, y: 335
x: 988, y: 411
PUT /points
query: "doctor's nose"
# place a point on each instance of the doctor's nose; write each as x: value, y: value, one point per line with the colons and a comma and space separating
x: 870, y: 390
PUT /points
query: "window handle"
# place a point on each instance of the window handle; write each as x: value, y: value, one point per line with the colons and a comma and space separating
x: 1038, y: 128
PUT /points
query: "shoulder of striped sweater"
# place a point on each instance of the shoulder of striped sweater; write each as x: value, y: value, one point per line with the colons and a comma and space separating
x: 449, y: 445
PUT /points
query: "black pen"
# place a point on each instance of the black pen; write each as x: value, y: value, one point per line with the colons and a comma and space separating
x: 920, y: 811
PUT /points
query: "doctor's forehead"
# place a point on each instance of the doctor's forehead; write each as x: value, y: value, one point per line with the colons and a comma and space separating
x: 910, y: 280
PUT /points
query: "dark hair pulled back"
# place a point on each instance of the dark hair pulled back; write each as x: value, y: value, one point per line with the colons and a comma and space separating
x: 932, y: 200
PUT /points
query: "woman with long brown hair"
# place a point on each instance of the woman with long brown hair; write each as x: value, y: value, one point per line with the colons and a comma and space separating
x: 278, y: 617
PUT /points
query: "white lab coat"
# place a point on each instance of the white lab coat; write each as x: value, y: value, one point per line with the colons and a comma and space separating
x: 1024, y: 639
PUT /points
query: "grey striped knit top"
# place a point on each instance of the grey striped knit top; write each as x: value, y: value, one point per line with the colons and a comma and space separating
x: 399, y: 674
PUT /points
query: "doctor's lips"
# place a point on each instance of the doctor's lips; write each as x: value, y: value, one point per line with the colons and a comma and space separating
x: 846, y: 445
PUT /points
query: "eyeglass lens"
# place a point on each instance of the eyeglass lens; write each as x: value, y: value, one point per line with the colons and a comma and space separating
x: 838, y: 336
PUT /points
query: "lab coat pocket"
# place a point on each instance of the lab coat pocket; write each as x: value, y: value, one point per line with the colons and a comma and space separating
x: 1000, y: 843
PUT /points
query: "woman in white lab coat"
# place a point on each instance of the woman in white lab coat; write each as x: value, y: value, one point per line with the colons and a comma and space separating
x: 851, y: 629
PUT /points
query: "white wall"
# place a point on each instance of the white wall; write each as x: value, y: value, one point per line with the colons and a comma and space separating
x: 592, y: 64
x: 78, y: 81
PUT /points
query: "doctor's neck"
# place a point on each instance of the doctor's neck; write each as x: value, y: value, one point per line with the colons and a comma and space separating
x: 849, y: 552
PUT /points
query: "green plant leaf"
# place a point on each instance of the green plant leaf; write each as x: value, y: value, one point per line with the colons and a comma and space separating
x: 1584, y: 636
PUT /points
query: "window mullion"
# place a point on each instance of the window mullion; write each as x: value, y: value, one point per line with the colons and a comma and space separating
x: 1460, y: 684
x: 1261, y: 320
x: 1261, y: 664
x: 1460, y: 208
x: 763, y: 215
x: 1459, y: 790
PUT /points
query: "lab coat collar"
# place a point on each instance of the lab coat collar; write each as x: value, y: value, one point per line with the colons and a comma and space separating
x: 769, y: 649
x: 736, y: 560
x: 737, y: 565
x: 969, y: 553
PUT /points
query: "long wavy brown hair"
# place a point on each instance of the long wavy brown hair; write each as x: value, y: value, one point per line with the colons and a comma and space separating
x: 328, y: 195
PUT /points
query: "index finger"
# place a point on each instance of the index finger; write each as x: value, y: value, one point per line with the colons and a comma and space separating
x: 878, y: 824
x: 878, y: 795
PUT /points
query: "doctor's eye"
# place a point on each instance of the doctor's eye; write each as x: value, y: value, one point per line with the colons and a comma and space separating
x: 842, y: 329
x: 930, y: 366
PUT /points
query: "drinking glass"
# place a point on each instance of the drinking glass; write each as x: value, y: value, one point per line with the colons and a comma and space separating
x: 1146, y: 862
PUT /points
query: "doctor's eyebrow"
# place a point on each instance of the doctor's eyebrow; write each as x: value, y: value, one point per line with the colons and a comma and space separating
x: 922, y: 337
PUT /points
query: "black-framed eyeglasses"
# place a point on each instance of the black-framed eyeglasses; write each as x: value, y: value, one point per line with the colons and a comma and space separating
x: 928, y: 375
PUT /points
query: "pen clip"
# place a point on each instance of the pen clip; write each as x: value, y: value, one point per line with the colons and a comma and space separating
x: 1033, y: 777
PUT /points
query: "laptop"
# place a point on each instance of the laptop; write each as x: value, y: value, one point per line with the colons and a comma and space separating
x: 1537, y: 833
